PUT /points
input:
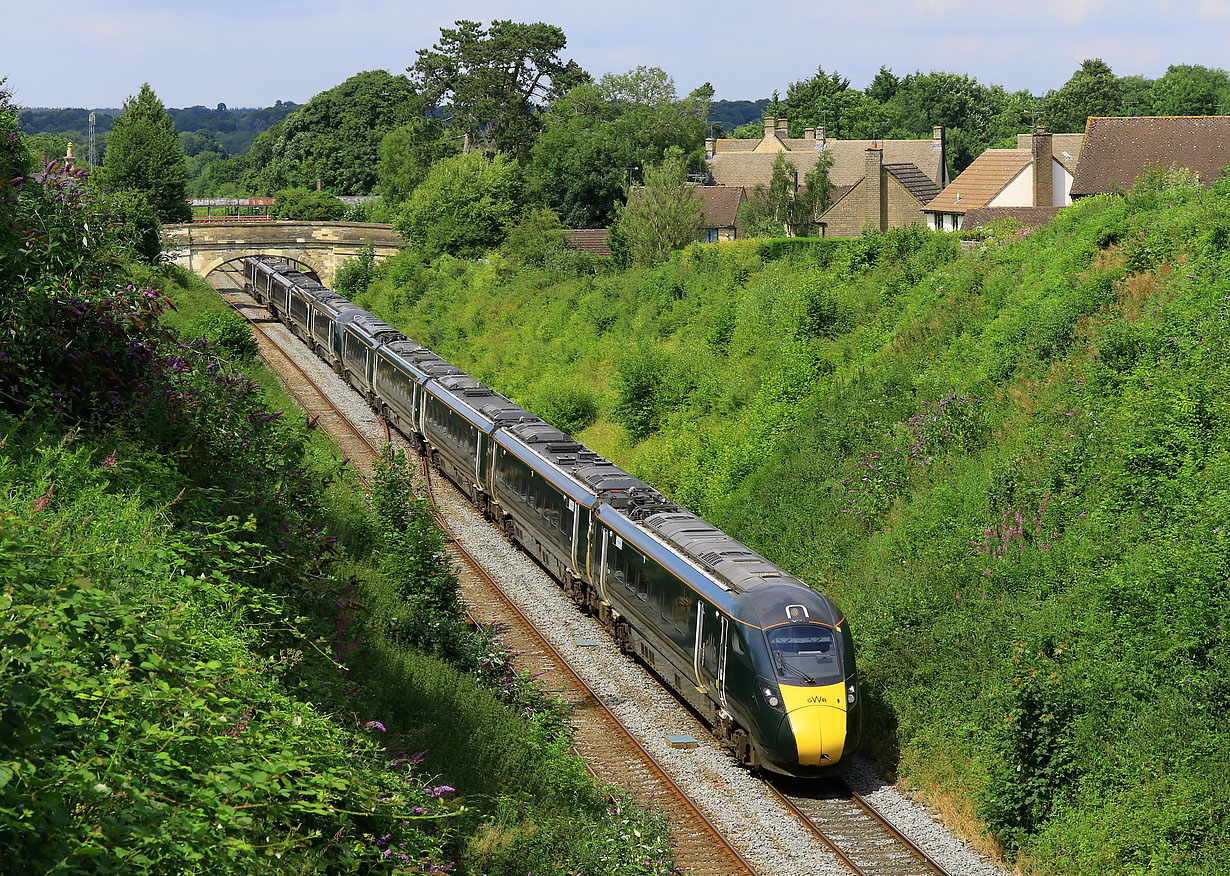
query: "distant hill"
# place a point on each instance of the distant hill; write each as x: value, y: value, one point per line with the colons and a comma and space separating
x: 730, y: 114
x: 232, y: 130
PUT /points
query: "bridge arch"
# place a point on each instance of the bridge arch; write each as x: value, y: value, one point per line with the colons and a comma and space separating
x: 322, y: 246
x: 307, y: 262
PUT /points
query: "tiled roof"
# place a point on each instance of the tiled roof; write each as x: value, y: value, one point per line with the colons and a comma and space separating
x: 733, y: 145
x: 917, y: 183
x: 590, y: 240
x: 1065, y: 147
x: 1034, y: 217
x: 721, y: 205
x: 740, y: 167
x: 1117, y: 150
x: 979, y: 183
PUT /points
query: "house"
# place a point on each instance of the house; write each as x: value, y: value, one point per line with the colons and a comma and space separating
x: 1002, y: 179
x: 1117, y: 150
x: 885, y: 196
x: 749, y: 163
x: 721, y: 209
x: 907, y: 170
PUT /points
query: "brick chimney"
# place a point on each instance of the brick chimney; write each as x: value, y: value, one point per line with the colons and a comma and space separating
x: 1044, y: 180
x: 770, y: 126
x: 710, y: 146
x: 809, y: 134
x: 939, y: 153
x: 873, y: 180
x: 821, y: 138
x: 782, y: 128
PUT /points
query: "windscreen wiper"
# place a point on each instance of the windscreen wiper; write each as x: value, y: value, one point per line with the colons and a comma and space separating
x: 784, y: 665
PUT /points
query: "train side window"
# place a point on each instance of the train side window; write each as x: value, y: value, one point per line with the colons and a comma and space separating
x: 736, y: 644
x: 642, y: 584
x: 683, y: 611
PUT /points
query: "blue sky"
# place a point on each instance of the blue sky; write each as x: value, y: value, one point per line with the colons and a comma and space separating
x: 94, y: 53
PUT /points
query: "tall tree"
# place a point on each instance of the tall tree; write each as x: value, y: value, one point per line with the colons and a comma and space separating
x: 1191, y: 90
x: 407, y: 154
x: 810, y: 102
x: 490, y: 83
x: 1093, y: 90
x: 595, y: 135
x: 144, y: 155
x: 335, y: 137
x: 663, y: 215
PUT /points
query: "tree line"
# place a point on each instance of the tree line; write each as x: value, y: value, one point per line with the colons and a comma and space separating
x: 494, y: 122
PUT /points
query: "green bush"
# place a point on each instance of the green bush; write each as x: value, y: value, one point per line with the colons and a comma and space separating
x: 230, y: 332
x: 356, y: 274
x: 569, y: 408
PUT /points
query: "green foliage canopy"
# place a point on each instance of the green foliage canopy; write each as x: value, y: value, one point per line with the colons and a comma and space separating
x: 464, y: 206
x: 490, y: 82
x: 1093, y: 90
x: 663, y: 215
x: 407, y: 154
x: 596, y: 134
x: 335, y: 137
x: 309, y: 205
x: 144, y: 154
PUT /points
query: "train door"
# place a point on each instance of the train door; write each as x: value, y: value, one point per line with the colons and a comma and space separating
x: 606, y: 543
x: 709, y: 659
x: 575, y: 508
x: 698, y: 645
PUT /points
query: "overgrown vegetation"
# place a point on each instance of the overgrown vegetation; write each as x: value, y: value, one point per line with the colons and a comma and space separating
x: 214, y: 656
x: 1010, y: 467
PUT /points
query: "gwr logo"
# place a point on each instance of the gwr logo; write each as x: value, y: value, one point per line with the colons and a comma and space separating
x: 817, y: 699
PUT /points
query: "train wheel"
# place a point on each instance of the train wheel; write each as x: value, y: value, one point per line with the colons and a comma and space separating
x: 745, y: 753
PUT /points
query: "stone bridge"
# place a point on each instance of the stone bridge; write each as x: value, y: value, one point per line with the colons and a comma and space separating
x: 319, y: 247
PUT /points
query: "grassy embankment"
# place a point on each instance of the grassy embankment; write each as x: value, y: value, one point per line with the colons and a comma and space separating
x: 215, y: 654
x: 1011, y: 467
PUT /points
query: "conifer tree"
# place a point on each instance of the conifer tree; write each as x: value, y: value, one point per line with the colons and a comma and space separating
x: 143, y: 154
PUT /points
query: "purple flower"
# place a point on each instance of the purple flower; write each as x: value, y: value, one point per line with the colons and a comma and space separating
x: 375, y: 725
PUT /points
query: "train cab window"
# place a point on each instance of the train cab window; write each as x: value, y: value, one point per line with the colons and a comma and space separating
x: 804, y: 653
x: 736, y: 643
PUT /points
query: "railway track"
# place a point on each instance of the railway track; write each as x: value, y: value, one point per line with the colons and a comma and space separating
x: 608, y: 748
x: 861, y: 839
x: 854, y: 831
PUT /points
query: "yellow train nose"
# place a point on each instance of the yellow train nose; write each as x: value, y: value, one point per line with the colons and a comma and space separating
x: 816, y: 717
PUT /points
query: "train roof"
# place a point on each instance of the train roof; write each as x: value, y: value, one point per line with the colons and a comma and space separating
x: 481, y: 398
x: 599, y: 476
x: 372, y: 326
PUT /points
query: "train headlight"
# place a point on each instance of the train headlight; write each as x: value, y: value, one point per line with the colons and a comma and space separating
x: 769, y: 692
x: 851, y: 695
